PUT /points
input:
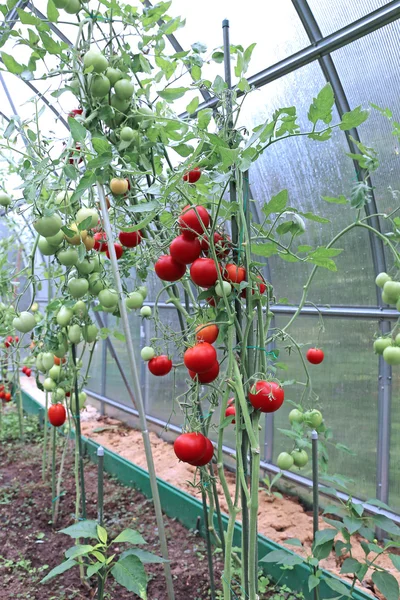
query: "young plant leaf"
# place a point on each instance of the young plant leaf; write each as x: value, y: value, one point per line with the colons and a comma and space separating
x: 386, y: 584
x: 131, y: 536
x: 129, y: 572
x: 68, y: 564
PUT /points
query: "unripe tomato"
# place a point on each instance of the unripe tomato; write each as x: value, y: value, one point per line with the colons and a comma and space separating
x: 77, y: 236
x: 168, y: 269
x: 74, y: 334
x: 296, y: 416
x: 145, y: 311
x: 45, y: 248
x: 381, y: 279
x: 57, y: 415
x: 73, y: 7
x: 55, y: 372
x: 49, y: 384
x: 47, y: 226
x: 190, y: 447
x: 207, y: 333
x: 95, y: 284
x: 127, y: 134
x: 313, y: 418
x: 118, y: 251
x: 142, y: 289
x: 63, y: 201
x: 185, y: 250
x: 99, y: 86
x: 200, y: 357
x: 113, y: 75
x: 392, y: 291
x: 160, y: 365
x: 381, y: 343
x: 58, y: 395
x: 79, y: 309
x: 207, y: 376
x: 25, y: 322
x: 192, y: 176
x: 85, y: 267
x: 78, y: 287
x: 231, y: 410
x: 207, y: 456
x: 315, y: 356
x: 55, y: 240
x: 224, y: 289
x: 285, y: 461
x: 204, y: 272
x: 396, y: 339
x: 130, y: 239
x: 300, y: 458
x: 147, y: 353
x: 124, y: 89
x: 5, y: 199
x: 85, y: 213
x: 391, y: 354
x: 266, y: 396
x: 100, y: 241
x: 89, y: 333
x: 134, y: 300
x: 94, y: 58
x: 68, y: 257
x: 108, y: 298
x: 118, y: 186
x: 234, y: 273
x: 193, y: 221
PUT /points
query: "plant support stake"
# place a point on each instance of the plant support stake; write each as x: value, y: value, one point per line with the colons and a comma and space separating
x: 314, y: 442
x: 138, y: 392
x: 100, y: 504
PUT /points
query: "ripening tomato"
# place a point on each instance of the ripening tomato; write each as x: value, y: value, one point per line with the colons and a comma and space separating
x: 7, y: 396
x: 119, y: 186
x: 208, y: 376
x: 200, y: 357
x: 168, y: 269
x: 315, y: 356
x: 193, y: 220
x: 57, y: 414
x: 190, y: 447
x: 266, y: 396
x: 207, y: 456
x: 75, y: 111
x: 192, y: 176
x: 261, y: 287
x: 28, y: 372
x: 58, y: 361
x: 231, y: 410
x: 185, y: 250
x: 100, y: 243
x: 222, y: 244
x: 118, y: 251
x: 204, y: 272
x: 16, y: 339
x: 160, y: 365
x: 234, y: 273
x: 130, y: 239
x: 207, y: 333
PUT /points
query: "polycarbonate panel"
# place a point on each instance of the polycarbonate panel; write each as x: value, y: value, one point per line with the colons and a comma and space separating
x: 310, y: 170
x: 346, y: 383
x: 394, y: 480
x: 96, y: 367
x: 332, y: 16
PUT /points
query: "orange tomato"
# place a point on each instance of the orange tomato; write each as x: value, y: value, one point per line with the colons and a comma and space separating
x: 207, y: 333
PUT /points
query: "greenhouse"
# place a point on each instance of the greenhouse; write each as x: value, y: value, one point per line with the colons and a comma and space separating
x: 199, y: 300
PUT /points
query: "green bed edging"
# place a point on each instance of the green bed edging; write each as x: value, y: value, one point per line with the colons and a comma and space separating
x: 188, y: 511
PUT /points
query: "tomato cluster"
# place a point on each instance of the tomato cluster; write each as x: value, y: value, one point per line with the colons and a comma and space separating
x: 27, y: 371
x: 5, y: 392
x: 389, y: 346
x: 10, y: 340
x: 194, y: 448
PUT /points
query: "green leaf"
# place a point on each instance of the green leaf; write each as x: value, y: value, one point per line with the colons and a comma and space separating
x: 204, y: 117
x: 228, y: 156
x: 92, y: 569
x: 293, y: 542
x: 119, y: 336
x: 102, y: 534
x: 276, y: 556
x: 27, y: 18
x: 352, y: 524
x: 131, y: 536
x: 313, y: 581
x: 321, y: 107
x: 68, y: 564
x: 386, y: 524
x: 129, y: 572
x: 336, y: 586
x: 50, y: 44
x: 79, y: 550
x: 78, y: 131
x: 311, y: 217
x: 143, y: 223
x: 225, y: 422
x: 84, y: 184
x: 102, y: 160
x: 219, y: 85
x: 11, y: 64
x: 84, y: 529
x: 339, y: 200
x: 395, y: 558
x: 183, y: 150
x: 323, y: 536
x: 84, y: 224
x: 52, y: 12
x: 277, y: 203
x: 144, y: 207
x: 171, y: 94
x: 354, y: 118
x: 192, y: 106
x: 386, y: 584
x: 101, y: 145
x: 350, y: 565
x: 145, y: 557
x: 247, y: 56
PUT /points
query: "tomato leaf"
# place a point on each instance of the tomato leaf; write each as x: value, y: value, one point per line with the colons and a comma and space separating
x: 339, y: 200
x: 27, y: 18
x: 171, y: 94
x: 336, y: 586
x: 85, y: 183
x: 78, y: 131
x: 204, y: 117
x: 354, y: 118
x: 386, y: 584
x: 11, y: 64
x: 311, y: 217
x: 129, y: 572
x: 144, y: 207
x: 277, y: 204
x: 102, y: 160
x: 321, y: 107
x: 101, y: 145
x: 52, y: 12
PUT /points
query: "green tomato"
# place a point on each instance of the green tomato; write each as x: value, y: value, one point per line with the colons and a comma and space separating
x: 142, y: 289
x: 113, y: 75
x: 108, y: 298
x: 5, y: 199
x: 296, y: 416
x: 60, y: 3
x: 79, y: 309
x: 47, y: 360
x: 300, y: 458
x: 225, y: 289
x: 58, y: 395
x: 78, y: 287
x: 95, y: 284
x: 134, y: 300
x: 387, y: 299
x: 45, y: 248
x: 81, y: 401
x: 73, y: 7
x: 85, y: 267
x: 90, y: 333
x: 147, y: 353
x: 381, y: 279
x: 39, y: 363
x: 313, y: 418
x: 124, y: 89
x: 64, y: 316
x: 397, y: 339
x: 25, y: 322
x: 285, y: 461
x: 55, y: 240
x: 398, y: 305
x: 48, y: 226
x: 139, y: 119
x: 55, y: 372
x: 145, y: 311
x: 391, y: 355
x: 120, y: 105
x: 85, y: 213
x: 68, y: 257
x: 127, y: 134
x: 95, y: 59
x: 97, y: 264
x: 74, y: 334
x: 381, y: 343
x: 99, y: 86
x: 63, y: 201
x: 62, y: 349
x: 49, y: 384
x: 392, y: 290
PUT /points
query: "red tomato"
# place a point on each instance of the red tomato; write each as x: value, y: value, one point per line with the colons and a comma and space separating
x: 130, y: 239
x: 231, y: 402
x: 58, y: 361
x: 222, y: 244
x: 100, y: 243
x: 192, y: 176
x: 208, y: 376
x: 193, y: 220
x: 24, y: 369
x: 231, y: 410
x: 75, y: 111
x: 168, y: 269
x: 211, y: 301
x: 190, y: 446
x: 234, y: 274
x: 261, y: 287
x: 315, y: 356
x: 207, y: 456
x: 1, y: 388
x: 7, y: 344
x: 207, y: 333
x: 16, y: 339
x: 57, y: 414
x: 185, y: 250
x: 118, y: 251
x: 200, y: 358
x: 7, y: 396
x: 266, y: 396
x: 2, y: 394
x: 160, y: 365
x: 129, y: 184
x: 28, y: 372
x: 204, y: 272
